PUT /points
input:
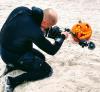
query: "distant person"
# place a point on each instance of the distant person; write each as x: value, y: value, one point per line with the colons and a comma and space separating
x: 22, y: 28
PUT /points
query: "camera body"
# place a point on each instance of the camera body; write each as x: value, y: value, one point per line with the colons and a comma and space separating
x: 53, y: 32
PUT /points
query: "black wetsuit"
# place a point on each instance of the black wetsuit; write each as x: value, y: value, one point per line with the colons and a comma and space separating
x: 21, y: 29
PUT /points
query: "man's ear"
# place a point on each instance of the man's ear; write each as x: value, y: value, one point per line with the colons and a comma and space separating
x: 44, y: 23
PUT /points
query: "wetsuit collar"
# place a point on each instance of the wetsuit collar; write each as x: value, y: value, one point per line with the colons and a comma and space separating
x: 37, y: 14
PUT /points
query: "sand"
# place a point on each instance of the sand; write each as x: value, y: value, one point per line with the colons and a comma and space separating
x: 75, y: 69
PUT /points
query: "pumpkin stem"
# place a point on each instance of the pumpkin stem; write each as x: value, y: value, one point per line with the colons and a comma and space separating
x: 80, y: 21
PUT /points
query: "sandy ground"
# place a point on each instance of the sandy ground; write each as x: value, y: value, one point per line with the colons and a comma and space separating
x: 75, y: 69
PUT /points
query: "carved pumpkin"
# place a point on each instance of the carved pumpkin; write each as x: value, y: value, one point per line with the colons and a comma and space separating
x: 82, y: 31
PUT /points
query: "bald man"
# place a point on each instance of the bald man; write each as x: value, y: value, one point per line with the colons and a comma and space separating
x: 22, y: 28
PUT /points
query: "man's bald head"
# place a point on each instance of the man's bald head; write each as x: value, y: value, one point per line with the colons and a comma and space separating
x: 51, y: 15
x: 49, y: 19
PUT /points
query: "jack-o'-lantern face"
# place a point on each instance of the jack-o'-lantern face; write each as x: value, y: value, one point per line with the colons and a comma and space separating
x: 82, y: 31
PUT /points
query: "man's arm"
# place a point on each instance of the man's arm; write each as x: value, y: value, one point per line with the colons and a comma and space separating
x: 46, y: 45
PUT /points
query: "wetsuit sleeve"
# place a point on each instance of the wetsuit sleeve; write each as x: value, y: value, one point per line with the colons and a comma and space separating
x: 46, y: 45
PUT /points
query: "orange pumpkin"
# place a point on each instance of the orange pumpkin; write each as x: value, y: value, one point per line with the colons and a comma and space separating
x: 82, y: 31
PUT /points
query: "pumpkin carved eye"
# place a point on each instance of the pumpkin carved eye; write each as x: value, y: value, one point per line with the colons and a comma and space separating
x: 78, y: 26
x: 87, y: 26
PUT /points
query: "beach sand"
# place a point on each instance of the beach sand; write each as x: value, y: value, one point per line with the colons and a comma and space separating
x: 75, y: 69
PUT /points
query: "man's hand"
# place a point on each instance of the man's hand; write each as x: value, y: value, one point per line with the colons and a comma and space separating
x: 65, y: 33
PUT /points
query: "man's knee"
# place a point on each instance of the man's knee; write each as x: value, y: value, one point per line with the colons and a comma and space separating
x: 50, y: 72
x: 43, y: 68
x: 46, y: 70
